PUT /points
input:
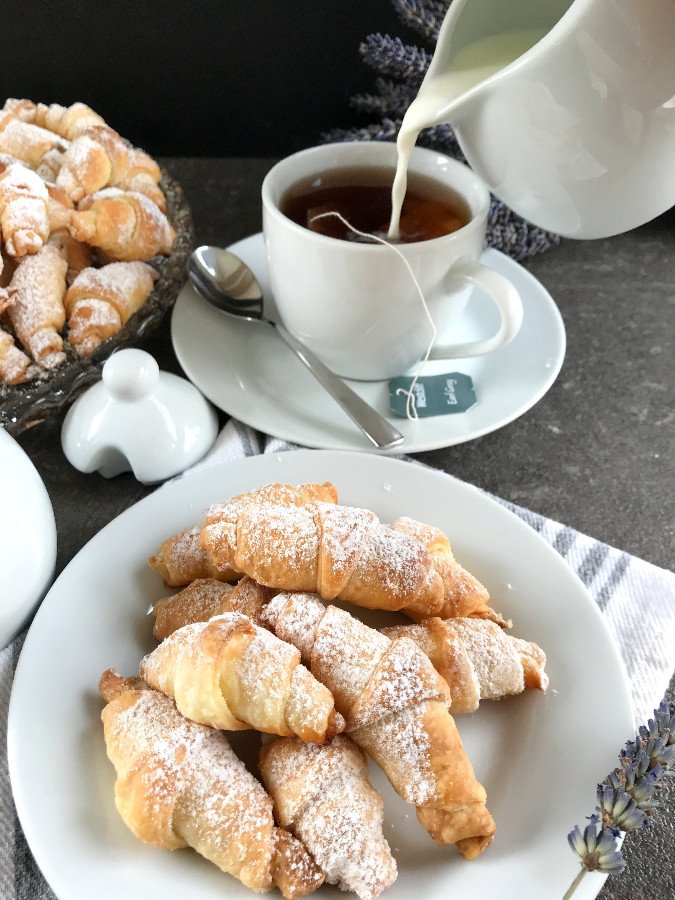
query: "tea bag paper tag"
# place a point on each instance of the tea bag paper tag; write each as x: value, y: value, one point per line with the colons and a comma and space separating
x: 435, y: 395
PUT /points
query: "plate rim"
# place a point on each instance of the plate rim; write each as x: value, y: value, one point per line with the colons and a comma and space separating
x: 414, y: 446
x: 19, y: 613
x: 50, y: 869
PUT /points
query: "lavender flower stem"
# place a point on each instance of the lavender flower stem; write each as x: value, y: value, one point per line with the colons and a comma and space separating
x: 575, y: 884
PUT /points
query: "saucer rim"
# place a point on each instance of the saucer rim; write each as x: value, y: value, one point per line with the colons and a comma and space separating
x: 278, y: 429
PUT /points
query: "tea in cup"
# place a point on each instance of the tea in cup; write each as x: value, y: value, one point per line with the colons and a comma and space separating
x: 354, y: 302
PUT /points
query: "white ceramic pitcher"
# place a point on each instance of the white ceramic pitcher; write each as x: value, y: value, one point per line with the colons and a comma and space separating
x: 577, y: 134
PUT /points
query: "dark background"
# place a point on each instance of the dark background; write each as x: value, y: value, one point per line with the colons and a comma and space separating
x: 228, y: 78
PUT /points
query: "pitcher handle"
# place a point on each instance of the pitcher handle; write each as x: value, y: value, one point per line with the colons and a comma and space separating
x: 502, y: 293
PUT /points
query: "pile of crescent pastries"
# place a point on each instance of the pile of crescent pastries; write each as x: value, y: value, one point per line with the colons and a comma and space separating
x: 253, y: 640
x: 81, y: 212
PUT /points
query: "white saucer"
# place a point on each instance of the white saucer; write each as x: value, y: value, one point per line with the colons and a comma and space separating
x: 27, y: 539
x: 246, y: 370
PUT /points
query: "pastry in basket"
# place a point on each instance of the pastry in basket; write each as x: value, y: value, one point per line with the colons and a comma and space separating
x: 206, y: 598
x: 322, y: 795
x: 100, y: 301
x: 99, y: 158
x: 231, y: 674
x: 78, y: 255
x: 180, y: 560
x: 338, y: 551
x: 21, y: 109
x: 13, y: 362
x: 67, y: 121
x: 39, y: 148
x: 180, y: 784
x: 126, y: 225
x: 24, y: 218
x: 36, y: 312
x: 396, y: 708
x: 478, y: 660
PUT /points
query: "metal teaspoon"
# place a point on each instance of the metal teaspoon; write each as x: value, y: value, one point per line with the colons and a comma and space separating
x: 227, y: 283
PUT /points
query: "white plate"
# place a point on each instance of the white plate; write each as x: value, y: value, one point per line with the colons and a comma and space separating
x: 246, y: 370
x: 539, y: 756
x: 27, y: 538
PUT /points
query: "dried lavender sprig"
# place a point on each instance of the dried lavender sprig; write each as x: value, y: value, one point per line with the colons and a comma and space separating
x: 386, y: 130
x: 425, y: 16
x: 625, y: 798
x: 598, y: 849
x: 618, y: 809
x: 390, y: 56
x: 392, y: 99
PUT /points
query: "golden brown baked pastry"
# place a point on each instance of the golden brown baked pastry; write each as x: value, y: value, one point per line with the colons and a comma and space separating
x: 230, y: 674
x: 24, y: 219
x: 13, y: 362
x: 338, y: 551
x: 100, y: 157
x: 396, y: 708
x: 322, y: 795
x: 179, y: 784
x: 125, y: 224
x: 38, y: 148
x: 476, y: 658
x: 100, y: 301
x: 67, y: 121
x: 180, y: 560
x: 206, y: 598
x: 36, y: 310
x: 463, y: 595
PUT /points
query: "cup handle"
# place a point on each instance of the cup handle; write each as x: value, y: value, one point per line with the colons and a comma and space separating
x: 502, y: 293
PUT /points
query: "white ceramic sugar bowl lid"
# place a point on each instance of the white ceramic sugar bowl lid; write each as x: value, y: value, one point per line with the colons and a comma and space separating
x: 27, y: 539
x: 140, y: 419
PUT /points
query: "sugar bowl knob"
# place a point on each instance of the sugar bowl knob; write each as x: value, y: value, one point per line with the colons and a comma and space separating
x: 131, y: 375
x: 140, y: 419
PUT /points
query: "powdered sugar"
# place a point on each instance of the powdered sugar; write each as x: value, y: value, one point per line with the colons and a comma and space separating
x: 495, y: 660
x: 37, y: 313
x: 345, y: 838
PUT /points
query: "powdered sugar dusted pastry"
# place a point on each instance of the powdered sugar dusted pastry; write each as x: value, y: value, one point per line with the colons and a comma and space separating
x: 396, y: 708
x: 24, y: 220
x: 100, y: 301
x: 463, y: 595
x: 78, y: 255
x: 179, y: 784
x: 323, y: 796
x: 338, y: 551
x: 125, y: 224
x: 180, y: 560
x: 206, y: 598
x: 100, y: 157
x: 36, y: 311
x: 21, y: 109
x: 13, y: 362
x: 230, y: 674
x: 67, y: 121
x: 476, y: 658
x: 36, y: 147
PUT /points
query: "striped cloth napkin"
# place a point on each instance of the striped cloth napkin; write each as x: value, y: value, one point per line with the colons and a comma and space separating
x: 636, y: 598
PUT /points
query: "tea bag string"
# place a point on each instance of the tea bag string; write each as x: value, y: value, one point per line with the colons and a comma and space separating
x: 410, y: 404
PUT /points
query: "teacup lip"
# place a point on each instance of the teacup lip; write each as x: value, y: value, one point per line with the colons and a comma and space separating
x: 479, y: 207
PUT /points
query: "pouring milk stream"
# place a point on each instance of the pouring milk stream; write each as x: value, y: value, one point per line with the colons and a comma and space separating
x: 438, y: 93
x: 577, y: 135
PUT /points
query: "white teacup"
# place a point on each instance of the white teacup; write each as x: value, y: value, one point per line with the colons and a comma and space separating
x: 355, y: 304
